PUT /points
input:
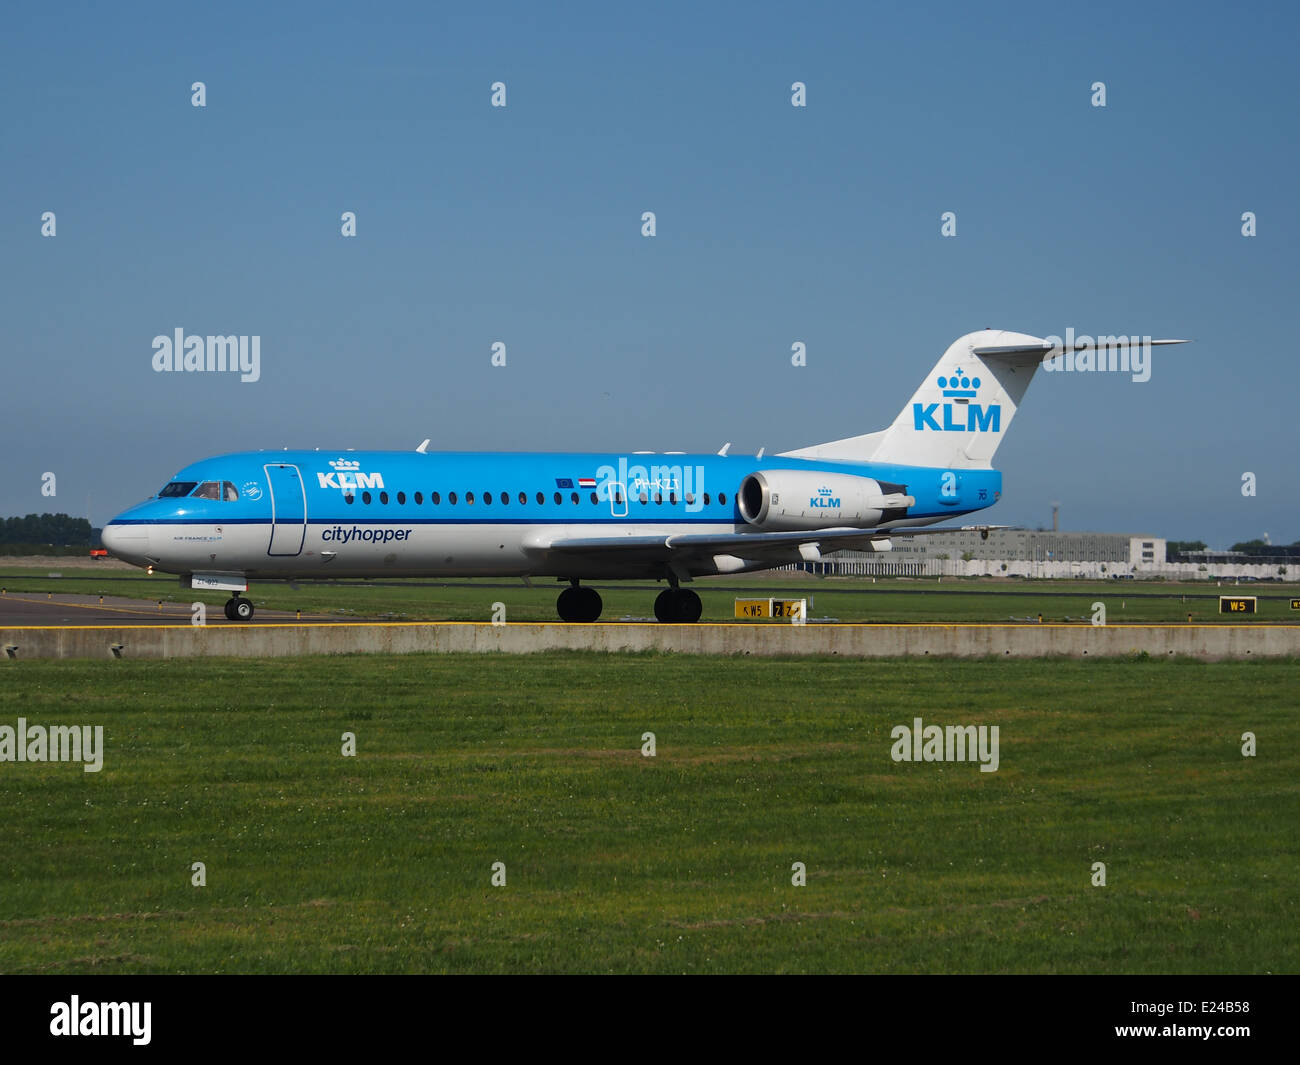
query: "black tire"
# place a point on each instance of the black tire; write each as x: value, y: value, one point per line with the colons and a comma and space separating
x: 678, y: 606
x: 689, y: 607
x: 591, y: 604
x: 230, y: 610
x: 580, y: 605
x: 666, y: 606
x: 569, y: 604
x: 243, y: 609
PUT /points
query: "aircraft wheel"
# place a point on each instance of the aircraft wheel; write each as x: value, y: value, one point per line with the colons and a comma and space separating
x: 678, y: 606
x: 230, y: 610
x: 591, y: 604
x: 579, y: 604
x: 242, y: 608
x: 689, y: 607
x: 566, y: 605
x: 665, y: 606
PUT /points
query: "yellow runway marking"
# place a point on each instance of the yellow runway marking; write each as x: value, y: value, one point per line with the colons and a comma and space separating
x: 78, y: 606
x: 657, y: 625
x: 184, y: 612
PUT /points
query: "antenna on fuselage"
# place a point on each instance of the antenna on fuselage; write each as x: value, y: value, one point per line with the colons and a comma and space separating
x: 423, y: 446
x: 723, y: 450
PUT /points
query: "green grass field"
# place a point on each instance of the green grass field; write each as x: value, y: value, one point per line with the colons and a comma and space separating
x: 679, y: 863
x: 846, y: 599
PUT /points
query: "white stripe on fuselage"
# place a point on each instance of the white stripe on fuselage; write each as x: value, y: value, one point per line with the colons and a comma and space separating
x: 431, y: 549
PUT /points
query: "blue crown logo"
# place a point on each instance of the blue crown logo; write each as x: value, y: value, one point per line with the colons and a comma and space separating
x: 824, y: 492
x: 959, y: 386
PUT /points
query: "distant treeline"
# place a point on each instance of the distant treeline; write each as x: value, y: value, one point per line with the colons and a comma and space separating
x: 1176, y: 549
x: 45, y: 530
x: 1259, y: 547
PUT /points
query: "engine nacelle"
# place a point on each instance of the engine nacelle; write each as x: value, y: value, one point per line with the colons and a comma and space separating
x: 787, y: 500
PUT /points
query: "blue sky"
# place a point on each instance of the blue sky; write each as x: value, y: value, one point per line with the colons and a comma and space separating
x: 775, y: 224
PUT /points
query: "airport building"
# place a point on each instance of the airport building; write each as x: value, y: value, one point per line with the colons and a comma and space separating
x: 1042, y: 553
x: 1006, y: 552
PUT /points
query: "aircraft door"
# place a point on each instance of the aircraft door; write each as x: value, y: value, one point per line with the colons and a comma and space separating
x: 288, y: 509
x: 617, y: 492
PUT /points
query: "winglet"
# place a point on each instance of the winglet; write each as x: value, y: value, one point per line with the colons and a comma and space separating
x: 421, y: 449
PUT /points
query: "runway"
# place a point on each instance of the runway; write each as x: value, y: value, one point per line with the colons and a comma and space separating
x: 26, y: 609
x: 77, y: 626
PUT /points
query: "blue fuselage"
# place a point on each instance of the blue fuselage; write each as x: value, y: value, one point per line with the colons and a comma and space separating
x: 287, y: 514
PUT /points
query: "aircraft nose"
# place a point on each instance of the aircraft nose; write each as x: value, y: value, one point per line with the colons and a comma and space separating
x: 130, y: 543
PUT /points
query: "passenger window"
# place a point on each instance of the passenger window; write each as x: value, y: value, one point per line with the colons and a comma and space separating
x: 230, y: 491
x: 658, y: 499
x: 722, y: 497
x: 365, y: 498
x: 690, y: 499
x: 418, y: 499
x: 594, y: 500
x: 208, y: 490
x: 487, y: 499
x: 505, y: 499
x: 469, y: 499
x: 706, y: 499
x: 573, y: 498
x: 451, y: 498
x: 558, y: 499
x: 383, y: 497
x: 349, y: 497
x: 434, y: 498
x: 540, y: 499
x: 401, y: 498
x: 644, y: 499
x: 523, y: 498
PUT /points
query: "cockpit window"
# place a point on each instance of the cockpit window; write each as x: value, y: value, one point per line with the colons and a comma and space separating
x: 208, y: 490
x: 177, y: 488
x: 229, y: 492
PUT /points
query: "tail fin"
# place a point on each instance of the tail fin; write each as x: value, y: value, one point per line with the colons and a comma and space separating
x: 961, y: 412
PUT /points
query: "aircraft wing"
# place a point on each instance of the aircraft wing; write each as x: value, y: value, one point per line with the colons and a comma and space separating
x: 683, y: 546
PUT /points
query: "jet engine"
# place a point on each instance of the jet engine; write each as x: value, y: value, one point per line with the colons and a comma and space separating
x: 788, y: 500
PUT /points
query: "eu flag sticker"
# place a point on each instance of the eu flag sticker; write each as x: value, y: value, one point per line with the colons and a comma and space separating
x: 564, y: 482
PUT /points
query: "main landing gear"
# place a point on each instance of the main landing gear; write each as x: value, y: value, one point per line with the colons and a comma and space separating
x: 674, y: 605
x: 238, y: 608
x: 579, y: 604
x: 680, y: 605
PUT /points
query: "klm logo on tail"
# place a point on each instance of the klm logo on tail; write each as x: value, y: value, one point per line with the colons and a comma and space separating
x: 965, y: 416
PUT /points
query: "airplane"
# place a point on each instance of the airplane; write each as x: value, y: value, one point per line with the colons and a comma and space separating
x: 311, y: 514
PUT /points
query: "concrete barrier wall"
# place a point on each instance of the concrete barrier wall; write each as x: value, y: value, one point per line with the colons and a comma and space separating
x: 1209, y: 642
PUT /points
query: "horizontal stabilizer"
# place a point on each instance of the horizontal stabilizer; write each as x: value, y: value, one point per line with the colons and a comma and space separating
x: 1080, y: 344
